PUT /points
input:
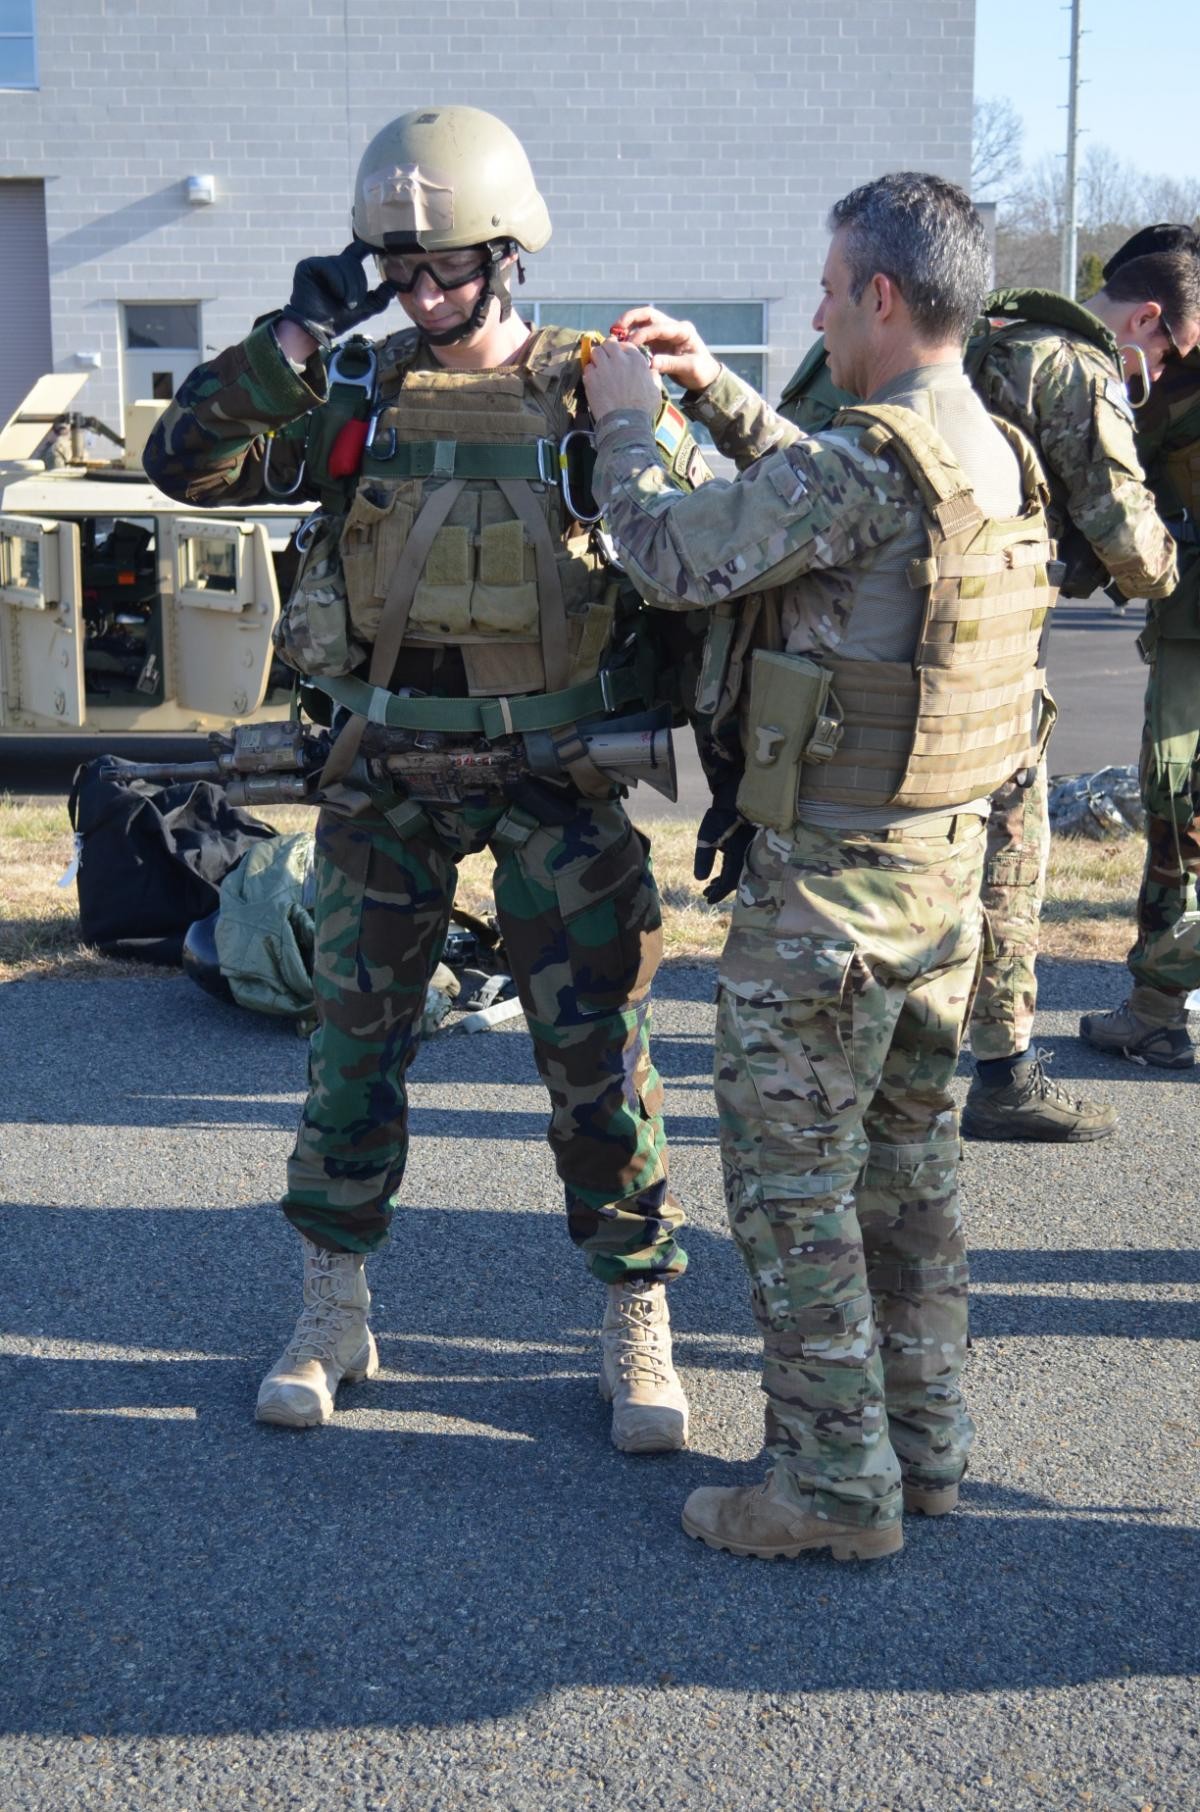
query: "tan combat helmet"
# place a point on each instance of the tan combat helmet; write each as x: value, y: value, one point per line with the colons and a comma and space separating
x: 440, y: 179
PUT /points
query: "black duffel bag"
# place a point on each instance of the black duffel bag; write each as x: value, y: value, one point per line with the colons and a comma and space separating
x: 151, y: 859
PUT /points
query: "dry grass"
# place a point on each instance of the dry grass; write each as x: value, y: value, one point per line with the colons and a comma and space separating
x: 1088, y: 913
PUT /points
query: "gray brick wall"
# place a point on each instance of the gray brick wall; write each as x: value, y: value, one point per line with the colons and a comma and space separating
x: 685, y: 147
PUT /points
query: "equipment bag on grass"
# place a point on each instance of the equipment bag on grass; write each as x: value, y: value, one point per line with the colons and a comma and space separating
x: 151, y: 859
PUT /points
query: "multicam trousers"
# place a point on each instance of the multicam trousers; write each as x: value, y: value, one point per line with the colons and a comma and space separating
x: 1166, y: 952
x: 845, y: 987
x: 580, y: 915
x: 1014, y: 886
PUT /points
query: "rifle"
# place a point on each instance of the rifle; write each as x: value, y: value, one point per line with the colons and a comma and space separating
x: 281, y: 763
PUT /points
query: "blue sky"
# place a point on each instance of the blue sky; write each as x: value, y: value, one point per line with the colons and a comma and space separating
x: 1141, y: 65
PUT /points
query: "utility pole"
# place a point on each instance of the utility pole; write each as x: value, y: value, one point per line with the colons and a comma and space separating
x: 1070, y: 231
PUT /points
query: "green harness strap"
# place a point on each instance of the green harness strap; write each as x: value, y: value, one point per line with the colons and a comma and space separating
x: 536, y: 460
x: 488, y: 717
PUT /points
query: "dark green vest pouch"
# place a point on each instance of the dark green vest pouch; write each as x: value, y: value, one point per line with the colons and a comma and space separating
x: 790, y: 722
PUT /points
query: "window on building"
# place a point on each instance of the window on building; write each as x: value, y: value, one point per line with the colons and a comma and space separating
x: 18, y: 46
x: 151, y: 324
x: 161, y: 345
x: 734, y: 331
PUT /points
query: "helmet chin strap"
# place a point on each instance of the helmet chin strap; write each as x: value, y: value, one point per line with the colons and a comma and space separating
x: 495, y: 284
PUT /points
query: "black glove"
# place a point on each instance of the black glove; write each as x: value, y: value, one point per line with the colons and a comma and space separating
x: 723, y: 832
x: 331, y: 295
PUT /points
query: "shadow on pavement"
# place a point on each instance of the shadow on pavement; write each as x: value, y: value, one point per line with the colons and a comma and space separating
x: 463, y: 1539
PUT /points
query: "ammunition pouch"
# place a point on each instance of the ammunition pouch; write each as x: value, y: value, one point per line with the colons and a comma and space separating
x: 793, y: 719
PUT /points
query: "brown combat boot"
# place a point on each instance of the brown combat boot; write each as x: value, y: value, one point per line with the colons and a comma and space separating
x: 331, y: 1344
x: 650, y: 1412
x: 1034, y: 1107
x: 754, y: 1519
x: 1149, y: 1027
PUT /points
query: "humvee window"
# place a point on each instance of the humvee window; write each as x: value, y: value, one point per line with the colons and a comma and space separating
x: 21, y: 563
x: 212, y: 565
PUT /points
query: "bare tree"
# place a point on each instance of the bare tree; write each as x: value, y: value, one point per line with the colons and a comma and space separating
x: 1115, y: 199
x: 996, y: 135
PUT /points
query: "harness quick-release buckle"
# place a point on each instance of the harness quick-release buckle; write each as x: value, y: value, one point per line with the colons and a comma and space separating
x: 368, y: 381
x: 365, y: 380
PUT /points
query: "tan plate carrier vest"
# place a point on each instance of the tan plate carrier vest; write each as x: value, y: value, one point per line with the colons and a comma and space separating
x: 457, y: 533
x: 958, y: 721
x: 461, y: 535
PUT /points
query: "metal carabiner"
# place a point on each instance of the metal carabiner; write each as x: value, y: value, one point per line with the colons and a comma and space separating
x: 303, y: 539
x: 370, y: 449
x: 278, y: 490
x: 587, y: 518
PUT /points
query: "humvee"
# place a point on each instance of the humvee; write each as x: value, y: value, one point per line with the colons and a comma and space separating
x: 120, y: 609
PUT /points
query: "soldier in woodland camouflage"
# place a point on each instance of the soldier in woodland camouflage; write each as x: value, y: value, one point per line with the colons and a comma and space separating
x: 1150, y: 1026
x: 881, y: 587
x: 446, y: 561
x: 1057, y: 370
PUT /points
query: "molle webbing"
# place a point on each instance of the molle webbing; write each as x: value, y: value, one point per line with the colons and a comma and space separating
x: 922, y: 740
x: 958, y: 721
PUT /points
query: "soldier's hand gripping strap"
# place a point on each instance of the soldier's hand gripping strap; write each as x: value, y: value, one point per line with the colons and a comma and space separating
x: 792, y: 719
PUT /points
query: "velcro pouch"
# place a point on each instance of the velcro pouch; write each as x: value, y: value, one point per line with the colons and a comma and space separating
x: 789, y: 723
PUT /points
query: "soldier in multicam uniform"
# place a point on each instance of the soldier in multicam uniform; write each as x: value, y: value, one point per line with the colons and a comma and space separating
x: 446, y: 566
x: 1150, y: 1026
x: 1055, y: 369
x: 888, y: 695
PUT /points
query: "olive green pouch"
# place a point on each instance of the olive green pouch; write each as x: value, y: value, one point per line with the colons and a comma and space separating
x: 790, y: 722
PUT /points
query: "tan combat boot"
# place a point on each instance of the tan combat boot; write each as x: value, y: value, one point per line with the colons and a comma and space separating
x: 755, y: 1519
x: 331, y: 1342
x: 930, y: 1500
x: 1149, y: 1027
x: 650, y: 1412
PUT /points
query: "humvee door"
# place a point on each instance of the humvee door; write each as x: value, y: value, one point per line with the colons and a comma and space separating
x: 223, y: 607
x: 41, y: 624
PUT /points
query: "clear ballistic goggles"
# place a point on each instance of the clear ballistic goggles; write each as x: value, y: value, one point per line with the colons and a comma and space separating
x: 445, y: 270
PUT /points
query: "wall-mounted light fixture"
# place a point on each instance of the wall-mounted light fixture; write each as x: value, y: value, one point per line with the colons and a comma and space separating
x: 200, y: 190
x: 88, y: 361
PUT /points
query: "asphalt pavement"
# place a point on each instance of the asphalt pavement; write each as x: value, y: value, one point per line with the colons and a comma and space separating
x: 460, y: 1594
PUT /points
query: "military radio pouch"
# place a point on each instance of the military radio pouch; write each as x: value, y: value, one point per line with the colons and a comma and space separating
x: 793, y: 719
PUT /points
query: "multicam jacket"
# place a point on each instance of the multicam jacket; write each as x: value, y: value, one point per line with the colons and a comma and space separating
x: 1066, y: 392
x: 838, y: 531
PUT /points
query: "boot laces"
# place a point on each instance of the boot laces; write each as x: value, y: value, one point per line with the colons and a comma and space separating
x: 1040, y: 1086
x: 319, y: 1331
x: 638, y: 1344
x: 324, y: 1318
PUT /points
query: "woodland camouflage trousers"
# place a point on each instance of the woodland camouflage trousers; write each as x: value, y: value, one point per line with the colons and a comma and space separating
x: 844, y: 992
x: 580, y: 916
x: 1166, y: 953
x: 1014, y: 886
